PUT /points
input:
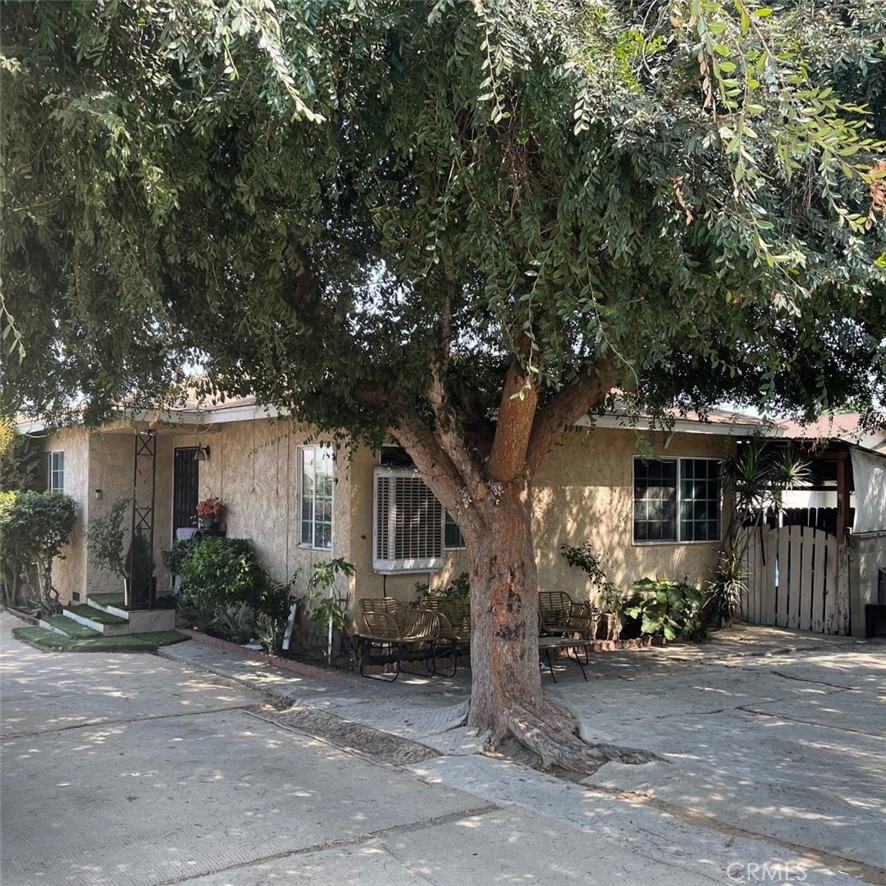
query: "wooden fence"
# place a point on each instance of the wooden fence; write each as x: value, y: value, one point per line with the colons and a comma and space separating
x: 795, y: 579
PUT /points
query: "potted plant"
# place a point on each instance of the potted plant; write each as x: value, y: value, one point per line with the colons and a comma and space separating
x: 208, y: 512
x: 105, y: 543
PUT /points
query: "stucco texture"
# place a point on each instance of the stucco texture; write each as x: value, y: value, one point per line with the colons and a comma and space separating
x: 583, y: 491
x: 69, y: 570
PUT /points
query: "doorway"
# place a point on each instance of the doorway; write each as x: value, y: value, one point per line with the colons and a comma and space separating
x: 185, y: 488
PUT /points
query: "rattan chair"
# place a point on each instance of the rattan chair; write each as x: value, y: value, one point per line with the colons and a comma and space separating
x: 393, y: 633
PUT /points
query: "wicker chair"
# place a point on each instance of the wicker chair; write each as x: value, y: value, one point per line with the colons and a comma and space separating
x: 393, y: 633
x: 560, y: 615
x: 455, y: 624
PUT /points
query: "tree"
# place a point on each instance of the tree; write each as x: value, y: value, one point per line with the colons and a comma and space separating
x: 466, y: 223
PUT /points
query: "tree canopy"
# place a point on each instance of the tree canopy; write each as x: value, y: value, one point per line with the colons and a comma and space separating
x: 314, y: 198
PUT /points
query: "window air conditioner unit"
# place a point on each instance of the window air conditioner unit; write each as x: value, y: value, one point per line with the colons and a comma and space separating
x: 407, y: 523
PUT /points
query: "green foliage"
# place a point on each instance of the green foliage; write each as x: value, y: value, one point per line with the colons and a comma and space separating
x: 20, y: 459
x: 686, y: 189
x: 726, y: 588
x: 667, y: 608
x: 181, y: 549
x: 329, y: 609
x: 220, y: 574
x: 585, y: 559
x: 104, y: 538
x: 34, y: 527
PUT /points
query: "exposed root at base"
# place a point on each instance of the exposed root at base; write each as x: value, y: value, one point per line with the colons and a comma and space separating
x: 551, y: 732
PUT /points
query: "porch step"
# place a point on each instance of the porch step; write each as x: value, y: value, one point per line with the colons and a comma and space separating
x: 112, y: 604
x: 100, y: 621
x: 68, y: 627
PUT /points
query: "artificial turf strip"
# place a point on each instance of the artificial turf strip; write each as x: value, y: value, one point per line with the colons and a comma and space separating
x: 116, y: 600
x: 97, y: 615
x: 50, y: 641
x: 71, y: 628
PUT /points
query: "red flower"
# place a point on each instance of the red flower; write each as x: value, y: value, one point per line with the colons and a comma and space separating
x: 209, y: 507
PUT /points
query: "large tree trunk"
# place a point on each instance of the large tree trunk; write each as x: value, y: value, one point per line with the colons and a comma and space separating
x: 492, y: 505
x: 506, y: 692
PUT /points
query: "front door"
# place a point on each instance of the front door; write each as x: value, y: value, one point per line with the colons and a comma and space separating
x: 186, y: 479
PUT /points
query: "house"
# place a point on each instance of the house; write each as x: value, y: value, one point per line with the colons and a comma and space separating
x: 649, y: 501
x: 301, y: 500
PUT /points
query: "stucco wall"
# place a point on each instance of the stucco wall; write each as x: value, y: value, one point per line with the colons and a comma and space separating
x: 583, y: 491
x: 253, y: 468
x: 69, y: 570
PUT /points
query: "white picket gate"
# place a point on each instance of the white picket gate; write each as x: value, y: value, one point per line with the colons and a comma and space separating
x: 793, y: 574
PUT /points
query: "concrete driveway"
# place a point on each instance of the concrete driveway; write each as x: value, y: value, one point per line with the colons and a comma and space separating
x: 120, y: 769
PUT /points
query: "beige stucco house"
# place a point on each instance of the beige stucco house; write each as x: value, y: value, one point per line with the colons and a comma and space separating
x: 649, y: 501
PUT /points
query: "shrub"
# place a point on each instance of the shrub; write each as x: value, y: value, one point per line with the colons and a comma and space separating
x: 218, y: 575
x: 104, y: 538
x: 34, y: 526
x: 667, y: 608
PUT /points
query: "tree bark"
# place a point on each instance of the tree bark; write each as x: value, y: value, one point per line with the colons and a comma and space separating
x: 492, y: 506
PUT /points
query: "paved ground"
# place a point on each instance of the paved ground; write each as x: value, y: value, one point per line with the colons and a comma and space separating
x: 136, y: 769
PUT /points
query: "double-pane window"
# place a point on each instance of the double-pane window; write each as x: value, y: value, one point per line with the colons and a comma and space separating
x: 676, y: 500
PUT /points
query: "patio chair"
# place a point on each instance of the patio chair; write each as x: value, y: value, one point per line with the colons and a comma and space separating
x: 560, y: 615
x: 396, y: 633
x: 455, y: 623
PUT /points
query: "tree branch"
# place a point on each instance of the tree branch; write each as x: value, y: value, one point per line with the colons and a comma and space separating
x: 519, y: 400
x: 439, y: 472
x: 567, y: 406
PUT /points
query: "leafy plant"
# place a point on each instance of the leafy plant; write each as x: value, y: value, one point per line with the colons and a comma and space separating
x: 20, y: 459
x: 181, y: 549
x: 237, y: 622
x: 584, y: 558
x: 667, y: 608
x: 34, y: 527
x: 104, y: 539
x: 219, y: 574
x: 756, y: 478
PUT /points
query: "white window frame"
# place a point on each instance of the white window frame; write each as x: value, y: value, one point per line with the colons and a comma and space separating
x: 55, y: 470
x: 318, y: 449
x: 678, y: 540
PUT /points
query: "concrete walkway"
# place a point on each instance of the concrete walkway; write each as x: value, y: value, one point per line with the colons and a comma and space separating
x: 204, y: 767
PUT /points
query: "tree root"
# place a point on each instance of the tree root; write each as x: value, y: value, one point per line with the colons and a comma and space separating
x: 552, y: 733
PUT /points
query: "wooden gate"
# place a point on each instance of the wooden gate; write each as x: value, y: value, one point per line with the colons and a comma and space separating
x: 793, y: 575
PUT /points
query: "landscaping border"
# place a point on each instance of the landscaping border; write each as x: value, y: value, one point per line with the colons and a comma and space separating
x: 277, y: 661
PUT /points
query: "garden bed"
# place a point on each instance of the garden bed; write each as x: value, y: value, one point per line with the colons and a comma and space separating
x: 277, y: 661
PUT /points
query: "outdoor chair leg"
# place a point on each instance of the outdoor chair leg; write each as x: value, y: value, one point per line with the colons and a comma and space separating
x: 396, y: 664
x: 453, y: 653
x: 550, y: 664
x: 574, y: 656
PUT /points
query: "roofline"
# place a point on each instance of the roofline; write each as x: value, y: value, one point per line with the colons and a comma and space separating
x: 736, y: 428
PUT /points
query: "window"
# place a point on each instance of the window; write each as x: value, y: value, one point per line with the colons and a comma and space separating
x: 452, y: 537
x: 316, y: 482
x: 55, y: 471
x: 676, y: 500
